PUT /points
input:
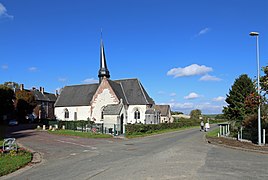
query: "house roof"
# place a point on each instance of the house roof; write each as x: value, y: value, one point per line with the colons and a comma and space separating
x: 112, y: 109
x: 129, y: 90
x: 77, y: 95
x: 164, y: 109
x: 39, y: 96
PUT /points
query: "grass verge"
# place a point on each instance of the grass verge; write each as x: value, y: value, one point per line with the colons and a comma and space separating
x: 10, y: 162
x: 213, y: 133
x: 136, y: 135
x: 80, y: 134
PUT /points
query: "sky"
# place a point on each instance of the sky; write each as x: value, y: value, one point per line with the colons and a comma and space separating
x: 185, y: 53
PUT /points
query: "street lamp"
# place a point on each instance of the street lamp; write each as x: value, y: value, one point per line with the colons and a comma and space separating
x: 258, y: 84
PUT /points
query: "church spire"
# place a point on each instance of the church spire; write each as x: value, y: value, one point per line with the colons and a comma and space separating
x: 103, y: 72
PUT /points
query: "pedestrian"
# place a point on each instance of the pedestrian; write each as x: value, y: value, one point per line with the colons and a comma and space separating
x: 206, y: 126
x: 202, y: 125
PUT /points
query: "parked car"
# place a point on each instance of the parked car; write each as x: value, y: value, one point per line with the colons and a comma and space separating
x: 13, y: 122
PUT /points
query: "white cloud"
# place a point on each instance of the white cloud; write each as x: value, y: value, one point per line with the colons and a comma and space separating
x: 186, y: 108
x: 4, y: 67
x: 192, y: 95
x: 208, y: 77
x: 3, y: 12
x: 32, y: 69
x: 176, y: 105
x: 173, y: 94
x: 219, y: 99
x: 204, y: 31
x: 161, y: 92
x: 191, y: 70
x: 62, y: 79
x: 90, y: 81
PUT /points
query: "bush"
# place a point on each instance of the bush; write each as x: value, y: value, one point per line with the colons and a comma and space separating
x: 132, y: 129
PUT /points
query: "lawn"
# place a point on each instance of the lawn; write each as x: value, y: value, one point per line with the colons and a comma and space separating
x: 10, y: 162
x: 80, y: 134
x: 213, y: 133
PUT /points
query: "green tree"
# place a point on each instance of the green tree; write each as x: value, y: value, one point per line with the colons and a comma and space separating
x: 236, y: 110
x: 264, y: 80
x: 25, y: 103
x: 6, y: 100
x: 195, y: 114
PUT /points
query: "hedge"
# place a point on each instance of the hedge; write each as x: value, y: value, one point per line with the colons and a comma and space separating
x: 149, y: 128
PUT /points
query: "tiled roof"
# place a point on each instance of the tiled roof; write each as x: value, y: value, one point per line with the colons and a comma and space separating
x: 112, y: 109
x: 129, y: 90
x: 77, y: 95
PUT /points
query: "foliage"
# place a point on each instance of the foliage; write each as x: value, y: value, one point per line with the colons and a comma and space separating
x: 25, y: 103
x: 176, y: 113
x: 213, y: 133
x: 11, y: 84
x: 264, y: 80
x: 11, y: 162
x: 195, y: 114
x: 151, y: 128
x: 80, y: 134
x: 6, y: 98
x: 236, y: 109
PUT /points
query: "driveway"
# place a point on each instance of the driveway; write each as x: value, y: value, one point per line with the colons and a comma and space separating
x: 177, y: 155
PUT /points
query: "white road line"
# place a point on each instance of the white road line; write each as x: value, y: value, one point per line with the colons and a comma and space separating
x: 76, y: 144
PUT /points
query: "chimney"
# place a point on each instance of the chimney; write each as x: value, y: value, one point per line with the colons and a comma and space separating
x: 56, y: 93
x: 21, y: 87
x: 42, y: 90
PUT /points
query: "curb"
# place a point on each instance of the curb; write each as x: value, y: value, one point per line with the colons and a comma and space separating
x: 236, y: 148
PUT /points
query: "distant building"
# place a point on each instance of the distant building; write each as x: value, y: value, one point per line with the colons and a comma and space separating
x: 110, y: 102
x: 45, y: 102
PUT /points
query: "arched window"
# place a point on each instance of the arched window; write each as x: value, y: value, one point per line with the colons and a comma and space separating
x: 66, y: 114
x: 137, y: 114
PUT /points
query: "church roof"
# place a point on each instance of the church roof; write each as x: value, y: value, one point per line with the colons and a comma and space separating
x: 129, y: 90
x: 134, y: 92
x: 77, y: 95
x: 112, y: 109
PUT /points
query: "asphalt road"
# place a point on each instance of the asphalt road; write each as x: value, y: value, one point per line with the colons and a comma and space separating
x: 178, y: 155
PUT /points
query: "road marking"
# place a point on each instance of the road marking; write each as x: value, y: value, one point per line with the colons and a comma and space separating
x: 73, y: 154
x: 76, y: 144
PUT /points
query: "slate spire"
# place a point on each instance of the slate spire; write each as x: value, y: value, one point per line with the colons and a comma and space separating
x: 103, y: 72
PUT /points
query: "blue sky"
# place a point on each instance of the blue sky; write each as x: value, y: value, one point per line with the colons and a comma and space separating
x: 185, y: 53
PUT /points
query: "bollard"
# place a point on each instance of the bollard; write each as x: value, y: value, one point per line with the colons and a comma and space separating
x: 218, y: 134
x: 50, y: 127
x: 263, y: 136
x: 44, y: 127
x: 63, y: 127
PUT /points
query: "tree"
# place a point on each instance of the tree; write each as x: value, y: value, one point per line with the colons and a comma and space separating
x: 25, y: 103
x: 6, y: 100
x: 238, y: 99
x: 241, y: 89
x: 195, y: 114
x: 264, y: 80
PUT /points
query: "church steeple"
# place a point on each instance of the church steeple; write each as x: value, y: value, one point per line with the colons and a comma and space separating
x: 103, y: 72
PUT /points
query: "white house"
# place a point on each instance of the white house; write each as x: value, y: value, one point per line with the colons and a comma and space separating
x: 110, y: 102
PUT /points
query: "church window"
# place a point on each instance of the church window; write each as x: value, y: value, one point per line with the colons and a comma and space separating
x: 66, y: 114
x: 137, y: 114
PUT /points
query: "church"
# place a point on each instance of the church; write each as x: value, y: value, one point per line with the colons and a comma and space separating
x: 113, y: 103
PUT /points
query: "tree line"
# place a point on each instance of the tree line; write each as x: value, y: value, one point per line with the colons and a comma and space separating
x: 14, y: 103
